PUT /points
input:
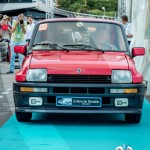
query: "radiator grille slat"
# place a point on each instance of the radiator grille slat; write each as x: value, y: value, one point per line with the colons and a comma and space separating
x: 78, y: 79
x: 78, y: 90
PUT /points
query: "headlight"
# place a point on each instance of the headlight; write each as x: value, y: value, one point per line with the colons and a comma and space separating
x: 121, y: 76
x: 36, y: 75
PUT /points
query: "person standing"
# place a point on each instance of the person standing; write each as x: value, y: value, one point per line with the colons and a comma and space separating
x: 17, y: 38
x: 30, y: 28
x: 6, y: 27
x: 0, y: 31
x: 127, y: 28
x: 6, y: 31
x: 1, y: 16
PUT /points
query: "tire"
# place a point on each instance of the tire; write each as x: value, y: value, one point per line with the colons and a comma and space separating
x: 133, y: 118
x: 23, y: 117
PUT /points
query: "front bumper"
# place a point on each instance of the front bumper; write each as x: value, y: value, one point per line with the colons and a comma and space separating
x: 21, y: 99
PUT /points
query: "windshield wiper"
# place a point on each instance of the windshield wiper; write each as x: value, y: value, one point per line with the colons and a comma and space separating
x: 84, y: 46
x: 51, y: 45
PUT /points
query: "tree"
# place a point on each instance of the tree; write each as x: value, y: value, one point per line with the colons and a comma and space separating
x: 90, y: 6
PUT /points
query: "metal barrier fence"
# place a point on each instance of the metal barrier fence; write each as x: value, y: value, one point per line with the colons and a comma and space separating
x: 80, y: 15
x: 42, y: 6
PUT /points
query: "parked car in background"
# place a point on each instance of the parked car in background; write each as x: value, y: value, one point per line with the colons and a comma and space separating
x: 77, y: 65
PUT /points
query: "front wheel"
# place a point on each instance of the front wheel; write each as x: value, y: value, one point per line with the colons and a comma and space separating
x: 133, y: 118
x: 23, y: 117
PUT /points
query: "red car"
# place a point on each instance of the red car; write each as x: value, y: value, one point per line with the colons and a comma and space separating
x: 77, y: 65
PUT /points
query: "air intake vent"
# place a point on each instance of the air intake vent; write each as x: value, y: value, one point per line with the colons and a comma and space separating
x: 78, y: 79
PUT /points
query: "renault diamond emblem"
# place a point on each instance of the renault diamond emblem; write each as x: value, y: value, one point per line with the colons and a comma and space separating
x: 79, y: 70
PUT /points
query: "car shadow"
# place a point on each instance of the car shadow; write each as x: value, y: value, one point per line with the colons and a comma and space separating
x: 79, y: 119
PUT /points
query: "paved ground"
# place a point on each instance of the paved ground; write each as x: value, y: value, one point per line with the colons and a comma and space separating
x: 6, y: 98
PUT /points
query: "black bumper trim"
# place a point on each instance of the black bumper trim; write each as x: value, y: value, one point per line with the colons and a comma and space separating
x: 66, y: 111
x: 34, y: 84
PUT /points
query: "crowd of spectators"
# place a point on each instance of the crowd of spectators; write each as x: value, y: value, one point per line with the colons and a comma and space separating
x: 16, y: 31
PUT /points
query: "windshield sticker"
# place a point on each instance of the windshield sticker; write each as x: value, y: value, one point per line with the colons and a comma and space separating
x: 43, y: 27
x: 79, y: 24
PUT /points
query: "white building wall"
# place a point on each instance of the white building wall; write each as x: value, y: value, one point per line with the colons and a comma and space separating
x: 128, y: 10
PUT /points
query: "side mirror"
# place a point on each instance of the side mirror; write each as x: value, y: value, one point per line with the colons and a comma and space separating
x: 138, y: 51
x: 21, y: 49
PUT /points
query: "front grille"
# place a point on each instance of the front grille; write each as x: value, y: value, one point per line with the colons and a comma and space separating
x: 79, y: 79
x: 79, y: 90
x: 60, y: 90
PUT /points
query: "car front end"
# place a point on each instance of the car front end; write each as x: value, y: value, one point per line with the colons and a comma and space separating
x: 78, y: 77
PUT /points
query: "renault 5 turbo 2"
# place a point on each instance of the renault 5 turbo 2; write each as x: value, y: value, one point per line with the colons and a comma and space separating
x: 78, y: 65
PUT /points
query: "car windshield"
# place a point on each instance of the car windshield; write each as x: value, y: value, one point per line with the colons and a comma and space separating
x: 75, y: 35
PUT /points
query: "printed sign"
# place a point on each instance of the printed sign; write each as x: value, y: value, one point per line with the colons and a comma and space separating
x: 43, y: 27
x: 79, y: 101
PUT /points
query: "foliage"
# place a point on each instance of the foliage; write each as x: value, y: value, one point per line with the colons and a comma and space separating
x: 95, y: 12
x: 91, y: 7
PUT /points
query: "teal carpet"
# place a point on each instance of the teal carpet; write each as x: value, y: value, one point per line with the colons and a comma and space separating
x: 76, y: 132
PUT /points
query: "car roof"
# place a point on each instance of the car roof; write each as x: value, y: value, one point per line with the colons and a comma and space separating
x: 80, y: 19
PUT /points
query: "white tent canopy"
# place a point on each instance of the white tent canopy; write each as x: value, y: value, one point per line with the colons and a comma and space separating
x: 139, y: 14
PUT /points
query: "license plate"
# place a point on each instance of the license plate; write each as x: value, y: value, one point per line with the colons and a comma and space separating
x: 78, y: 101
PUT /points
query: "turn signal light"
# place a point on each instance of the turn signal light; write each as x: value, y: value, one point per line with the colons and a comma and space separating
x: 26, y: 89
x: 31, y: 89
x: 130, y: 90
x: 127, y: 91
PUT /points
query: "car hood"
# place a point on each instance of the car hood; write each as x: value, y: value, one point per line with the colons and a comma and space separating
x: 88, y: 62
